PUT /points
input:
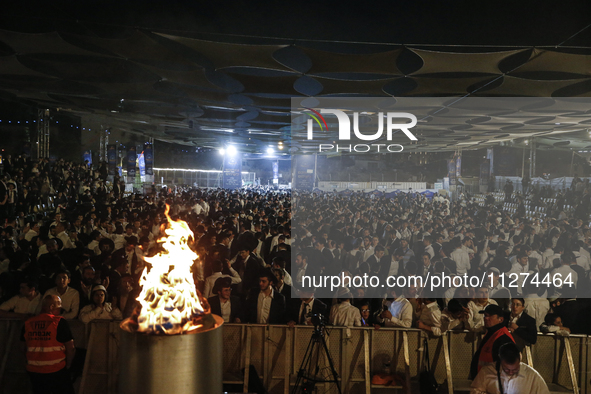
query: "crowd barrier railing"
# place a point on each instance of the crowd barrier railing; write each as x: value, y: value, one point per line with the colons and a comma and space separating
x: 276, y: 352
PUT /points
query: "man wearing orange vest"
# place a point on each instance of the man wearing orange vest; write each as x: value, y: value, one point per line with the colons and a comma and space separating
x: 496, y: 335
x: 50, y: 349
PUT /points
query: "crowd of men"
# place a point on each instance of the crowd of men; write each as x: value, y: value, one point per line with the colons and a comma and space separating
x: 90, y: 253
x: 535, y: 270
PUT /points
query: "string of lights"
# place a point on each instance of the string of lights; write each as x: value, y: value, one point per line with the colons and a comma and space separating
x: 12, y: 122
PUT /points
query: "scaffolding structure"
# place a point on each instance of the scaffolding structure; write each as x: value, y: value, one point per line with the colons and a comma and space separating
x: 42, y: 133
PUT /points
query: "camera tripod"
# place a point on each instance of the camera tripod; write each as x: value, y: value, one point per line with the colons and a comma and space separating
x: 308, y: 374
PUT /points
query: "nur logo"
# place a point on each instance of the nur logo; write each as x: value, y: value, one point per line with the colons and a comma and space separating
x: 345, y: 124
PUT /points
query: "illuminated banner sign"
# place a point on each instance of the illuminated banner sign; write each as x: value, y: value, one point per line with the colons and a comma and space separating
x: 232, y: 177
x: 112, y: 159
x: 131, y: 161
x: 87, y: 156
x: 141, y: 163
x: 149, y: 159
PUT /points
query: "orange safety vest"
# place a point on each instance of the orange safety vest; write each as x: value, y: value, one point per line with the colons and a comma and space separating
x: 44, y: 353
x: 486, y: 354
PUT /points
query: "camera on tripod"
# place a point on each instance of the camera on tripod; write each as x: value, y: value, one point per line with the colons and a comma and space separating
x: 310, y: 372
x: 319, y: 321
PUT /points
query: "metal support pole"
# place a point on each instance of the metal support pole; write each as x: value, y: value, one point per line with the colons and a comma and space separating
x: 572, y: 161
x: 523, y: 164
x: 39, y: 132
x: 531, y: 158
x: 315, y: 169
x: 151, y: 141
x: 533, y: 163
x: 46, y: 128
x: 105, y: 147
x: 42, y: 133
x: 100, y: 151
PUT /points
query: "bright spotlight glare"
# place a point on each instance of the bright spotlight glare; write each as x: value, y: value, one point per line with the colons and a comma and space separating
x: 231, y: 150
x: 270, y: 151
x: 222, y: 151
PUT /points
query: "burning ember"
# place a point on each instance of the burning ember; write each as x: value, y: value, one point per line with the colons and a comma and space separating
x: 169, y: 300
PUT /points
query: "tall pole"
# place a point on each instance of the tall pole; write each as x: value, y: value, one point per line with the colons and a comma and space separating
x: 101, y: 144
x: 531, y: 158
x: 572, y: 161
x: 315, y: 167
x: 523, y: 164
x: 533, y: 163
x: 42, y: 133
x: 151, y: 141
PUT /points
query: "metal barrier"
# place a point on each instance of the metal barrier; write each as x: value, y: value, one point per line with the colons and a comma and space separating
x: 276, y: 353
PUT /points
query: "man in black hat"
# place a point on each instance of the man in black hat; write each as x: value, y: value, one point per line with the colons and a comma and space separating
x: 264, y: 305
x: 223, y: 303
x: 496, y: 335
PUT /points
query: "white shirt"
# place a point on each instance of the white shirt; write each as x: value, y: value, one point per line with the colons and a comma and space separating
x: 226, y: 307
x: 300, y: 273
x: 528, y: 380
x: 582, y: 261
x: 518, y: 269
x: 536, y: 256
x: 107, y: 312
x: 368, y: 253
x: 30, y: 235
x: 537, y: 308
x: 264, y: 307
x: 118, y: 240
x: 548, y: 258
x: 42, y: 250
x: 70, y: 302
x: 476, y: 319
x: 394, y: 266
x: 20, y: 304
x: 210, y: 281
x: 429, y: 249
x: 94, y: 246
x: 401, y: 311
x: 565, y: 271
x: 345, y: 314
x: 287, y: 278
x: 65, y: 238
x: 431, y: 316
x: 462, y: 260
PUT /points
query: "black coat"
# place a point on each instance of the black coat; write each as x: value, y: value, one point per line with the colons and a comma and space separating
x: 235, y: 307
x: 249, y: 272
x: 277, y: 312
x: 571, y: 316
x: 374, y: 263
x: 527, y: 331
x: 318, y: 308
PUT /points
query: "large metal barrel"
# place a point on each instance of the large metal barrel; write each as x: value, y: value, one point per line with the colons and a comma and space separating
x: 189, y: 363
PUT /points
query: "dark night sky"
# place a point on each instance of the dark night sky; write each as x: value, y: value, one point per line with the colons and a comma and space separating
x: 537, y: 23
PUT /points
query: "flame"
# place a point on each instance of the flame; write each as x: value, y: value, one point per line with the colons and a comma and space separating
x: 169, y: 300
